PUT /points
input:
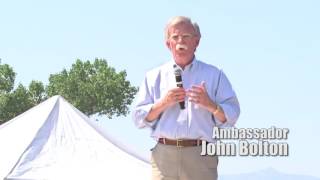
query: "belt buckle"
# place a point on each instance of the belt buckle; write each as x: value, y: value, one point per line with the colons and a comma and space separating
x: 179, y: 143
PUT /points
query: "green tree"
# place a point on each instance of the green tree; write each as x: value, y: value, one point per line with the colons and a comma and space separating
x: 94, y: 88
x: 7, y: 77
x: 37, y: 92
x: 16, y: 101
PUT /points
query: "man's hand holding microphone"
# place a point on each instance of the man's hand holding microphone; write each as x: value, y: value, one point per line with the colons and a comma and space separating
x: 197, y: 94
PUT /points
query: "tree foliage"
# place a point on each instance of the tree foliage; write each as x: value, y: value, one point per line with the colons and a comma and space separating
x: 37, y: 92
x: 91, y: 87
x: 15, y: 101
x: 7, y: 77
x: 94, y: 88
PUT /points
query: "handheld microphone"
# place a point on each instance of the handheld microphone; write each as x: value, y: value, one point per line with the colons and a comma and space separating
x: 177, y: 73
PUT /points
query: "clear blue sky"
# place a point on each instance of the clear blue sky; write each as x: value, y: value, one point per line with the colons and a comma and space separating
x: 270, y: 51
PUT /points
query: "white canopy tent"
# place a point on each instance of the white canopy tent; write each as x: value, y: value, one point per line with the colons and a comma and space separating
x: 55, y: 141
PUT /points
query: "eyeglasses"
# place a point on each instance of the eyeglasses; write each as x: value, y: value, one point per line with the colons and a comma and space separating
x: 185, y: 36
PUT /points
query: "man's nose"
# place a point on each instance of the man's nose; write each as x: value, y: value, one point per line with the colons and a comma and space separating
x: 180, y: 39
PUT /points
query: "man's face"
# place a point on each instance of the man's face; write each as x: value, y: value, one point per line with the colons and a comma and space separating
x: 182, y: 42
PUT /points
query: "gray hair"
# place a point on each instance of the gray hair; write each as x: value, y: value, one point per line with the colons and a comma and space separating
x: 182, y: 19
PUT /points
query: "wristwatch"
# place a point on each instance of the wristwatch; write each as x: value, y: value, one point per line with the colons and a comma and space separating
x: 217, y: 110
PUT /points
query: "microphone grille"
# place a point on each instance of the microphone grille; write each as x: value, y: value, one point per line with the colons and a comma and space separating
x: 177, y: 70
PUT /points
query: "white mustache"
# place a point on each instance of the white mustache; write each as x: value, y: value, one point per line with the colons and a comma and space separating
x: 181, y: 47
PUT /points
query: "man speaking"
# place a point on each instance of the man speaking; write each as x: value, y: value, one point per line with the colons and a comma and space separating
x: 182, y: 112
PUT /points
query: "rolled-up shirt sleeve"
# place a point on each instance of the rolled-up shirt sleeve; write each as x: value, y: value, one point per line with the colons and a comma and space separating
x: 226, y: 98
x: 143, y: 106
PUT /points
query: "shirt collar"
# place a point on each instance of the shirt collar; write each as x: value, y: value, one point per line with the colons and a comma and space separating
x: 190, y: 66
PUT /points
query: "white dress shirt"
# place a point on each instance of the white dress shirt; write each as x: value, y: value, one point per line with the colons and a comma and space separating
x: 194, y: 122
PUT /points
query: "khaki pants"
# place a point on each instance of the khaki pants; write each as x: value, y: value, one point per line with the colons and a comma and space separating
x: 182, y: 163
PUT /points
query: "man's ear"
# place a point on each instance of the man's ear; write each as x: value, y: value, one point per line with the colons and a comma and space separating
x: 197, y: 42
x: 168, y: 44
